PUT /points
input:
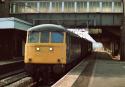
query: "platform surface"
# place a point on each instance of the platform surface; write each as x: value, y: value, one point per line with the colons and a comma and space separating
x: 101, y: 71
x: 71, y: 77
x: 107, y: 72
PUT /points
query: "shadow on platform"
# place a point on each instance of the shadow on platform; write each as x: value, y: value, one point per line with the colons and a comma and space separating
x: 104, y: 70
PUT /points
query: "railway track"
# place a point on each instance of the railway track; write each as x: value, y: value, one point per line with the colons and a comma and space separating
x: 20, y: 80
x: 12, y: 79
x: 23, y: 80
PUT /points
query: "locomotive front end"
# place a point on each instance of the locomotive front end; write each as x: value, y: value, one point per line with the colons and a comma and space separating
x: 45, y: 47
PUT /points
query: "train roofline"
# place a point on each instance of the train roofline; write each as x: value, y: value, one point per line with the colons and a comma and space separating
x: 52, y: 27
x: 46, y: 27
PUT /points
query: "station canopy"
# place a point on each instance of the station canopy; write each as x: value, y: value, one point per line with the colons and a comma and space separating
x: 14, y: 23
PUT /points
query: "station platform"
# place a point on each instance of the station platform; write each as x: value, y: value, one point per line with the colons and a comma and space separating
x: 100, y: 70
x: 107, y: 72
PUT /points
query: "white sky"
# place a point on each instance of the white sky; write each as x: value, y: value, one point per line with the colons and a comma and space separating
x: 83, y: 33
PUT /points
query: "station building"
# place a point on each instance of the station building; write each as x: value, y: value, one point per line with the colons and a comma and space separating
x: 12, y: 38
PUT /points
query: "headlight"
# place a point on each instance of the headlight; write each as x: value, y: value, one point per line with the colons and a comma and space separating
x: 50, y: 48
x: 38, y: 49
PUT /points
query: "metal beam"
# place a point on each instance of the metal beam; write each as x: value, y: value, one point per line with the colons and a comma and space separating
x: 115, y: 32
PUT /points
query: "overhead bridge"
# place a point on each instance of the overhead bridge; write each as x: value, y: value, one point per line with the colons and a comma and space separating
x: 69, y: 13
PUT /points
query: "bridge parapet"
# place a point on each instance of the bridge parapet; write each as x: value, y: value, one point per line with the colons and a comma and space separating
x: 66, y: 6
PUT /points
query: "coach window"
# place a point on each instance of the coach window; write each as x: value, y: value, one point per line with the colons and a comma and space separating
x: 57, y: 37
x: 44, y: 37
x: 33, y: 37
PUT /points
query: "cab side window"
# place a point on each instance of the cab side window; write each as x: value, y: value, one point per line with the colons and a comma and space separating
x: 33, y: 37
x: 57, y: 37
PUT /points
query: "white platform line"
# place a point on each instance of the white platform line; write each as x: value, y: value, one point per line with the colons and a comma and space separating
x: 92, y: 76
x: 69, y: 79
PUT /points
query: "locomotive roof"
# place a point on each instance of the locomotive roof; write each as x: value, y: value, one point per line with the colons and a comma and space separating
x: 50, y: 27
x: 46, y: 27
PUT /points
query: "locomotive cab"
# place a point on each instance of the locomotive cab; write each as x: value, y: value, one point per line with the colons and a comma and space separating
x: 45, y: 47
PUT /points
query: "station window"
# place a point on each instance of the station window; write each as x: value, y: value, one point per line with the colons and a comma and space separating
x: 81, y: 6
x: 106, y: 6
x: 44, y: 37
x: 57, y: 37
x: 33, y: 37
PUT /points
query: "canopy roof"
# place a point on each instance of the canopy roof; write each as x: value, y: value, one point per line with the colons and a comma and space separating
x: 14, y: 23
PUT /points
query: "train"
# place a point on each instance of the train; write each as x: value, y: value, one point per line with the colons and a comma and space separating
x: 51, y: 49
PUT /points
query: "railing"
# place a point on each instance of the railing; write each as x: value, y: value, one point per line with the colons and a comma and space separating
x: 66, y: 7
